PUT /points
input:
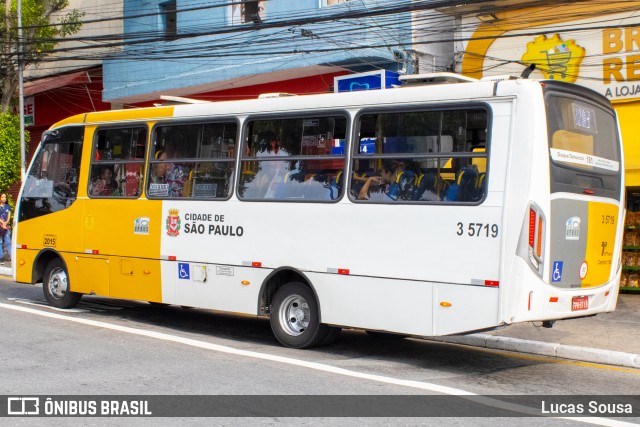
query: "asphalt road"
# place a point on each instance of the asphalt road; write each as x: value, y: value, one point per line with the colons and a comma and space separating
x: 115, y: 347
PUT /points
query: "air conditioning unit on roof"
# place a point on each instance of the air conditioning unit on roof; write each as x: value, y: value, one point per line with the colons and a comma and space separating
x: 434, y: 78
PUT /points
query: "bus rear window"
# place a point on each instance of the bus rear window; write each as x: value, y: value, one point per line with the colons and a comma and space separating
x: 583, y: 145
x: 581, y: 135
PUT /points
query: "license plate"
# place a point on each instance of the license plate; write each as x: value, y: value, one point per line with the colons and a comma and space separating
x: 579, y: 303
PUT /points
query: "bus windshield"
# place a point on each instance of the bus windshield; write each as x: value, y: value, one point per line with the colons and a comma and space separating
x: 52, y: 182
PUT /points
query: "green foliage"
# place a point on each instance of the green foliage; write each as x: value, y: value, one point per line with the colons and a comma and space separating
x: 9, y: 150
x: 39, y: 37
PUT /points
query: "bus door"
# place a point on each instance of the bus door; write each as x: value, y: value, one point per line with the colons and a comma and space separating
x: 48, y: 209
x: 120, y: 231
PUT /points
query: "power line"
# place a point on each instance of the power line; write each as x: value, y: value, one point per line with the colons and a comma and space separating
x: 194, y: 45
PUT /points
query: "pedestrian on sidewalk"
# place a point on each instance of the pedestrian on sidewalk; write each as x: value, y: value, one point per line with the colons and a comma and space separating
x: 5, y: 227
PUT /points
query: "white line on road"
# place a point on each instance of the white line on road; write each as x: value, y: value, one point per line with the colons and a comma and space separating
x: 313, y: 365
x: 43, y: 305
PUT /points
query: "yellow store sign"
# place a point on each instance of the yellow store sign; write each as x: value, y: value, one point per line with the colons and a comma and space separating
x: 599, y: 52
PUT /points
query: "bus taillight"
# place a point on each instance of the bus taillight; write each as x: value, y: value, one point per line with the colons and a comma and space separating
x: 536, y: 236
x: 532, y: 226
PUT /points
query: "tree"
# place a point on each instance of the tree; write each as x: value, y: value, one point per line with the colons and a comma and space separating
x: 9, y: 150
x: 39, y: 37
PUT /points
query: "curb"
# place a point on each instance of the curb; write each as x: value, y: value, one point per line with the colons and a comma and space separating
x: 584, y: 354
x: 6, y: 271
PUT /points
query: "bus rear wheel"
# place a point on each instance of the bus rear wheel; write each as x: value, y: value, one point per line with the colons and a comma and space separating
x: 295, y: 318
x: 56, y: 286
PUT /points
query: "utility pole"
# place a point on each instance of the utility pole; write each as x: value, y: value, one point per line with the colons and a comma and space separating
x: 23, y: 149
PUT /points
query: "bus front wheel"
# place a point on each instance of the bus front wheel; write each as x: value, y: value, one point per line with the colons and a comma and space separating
x: 56, y: 286
x: 295, y: 317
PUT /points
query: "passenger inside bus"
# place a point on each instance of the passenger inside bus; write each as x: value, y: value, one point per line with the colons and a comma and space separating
x: 393, y: 182
x: 158, y: 174
x: 105, y: 184
x: 176, y: 175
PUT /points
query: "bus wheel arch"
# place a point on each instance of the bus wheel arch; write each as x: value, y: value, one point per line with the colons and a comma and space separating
x: 55, y: 284
x: 40, y: 264
x: 295, y: 315
x: 277, y: 279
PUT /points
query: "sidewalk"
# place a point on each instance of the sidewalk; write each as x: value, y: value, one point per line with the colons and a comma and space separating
x: 5, y: 268
x: 609, y: 338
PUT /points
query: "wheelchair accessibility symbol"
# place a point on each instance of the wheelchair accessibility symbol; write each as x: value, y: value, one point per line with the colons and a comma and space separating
x: 183, y: 270
x: 556, y: 272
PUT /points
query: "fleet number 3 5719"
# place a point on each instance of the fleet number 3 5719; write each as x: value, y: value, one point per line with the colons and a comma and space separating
x: 477, y: 229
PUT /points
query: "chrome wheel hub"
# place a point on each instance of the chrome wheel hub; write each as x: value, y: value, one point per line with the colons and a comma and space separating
x: 294, y: 315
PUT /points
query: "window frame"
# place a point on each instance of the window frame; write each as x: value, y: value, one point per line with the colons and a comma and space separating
x: 325, y: 3
x: 193, y: 160
x: 423, y: 108
x: 300, y: 114
x: 242, y: 18
x: 93, y: 162
x: 169, y: 19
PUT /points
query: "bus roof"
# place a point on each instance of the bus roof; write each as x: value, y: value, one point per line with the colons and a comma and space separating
x: 413, y: 94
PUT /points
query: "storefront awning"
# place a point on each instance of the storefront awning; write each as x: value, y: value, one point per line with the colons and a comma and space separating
x: 49, y: 83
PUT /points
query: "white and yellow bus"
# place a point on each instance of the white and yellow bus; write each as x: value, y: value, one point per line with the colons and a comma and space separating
x: 424, y: 210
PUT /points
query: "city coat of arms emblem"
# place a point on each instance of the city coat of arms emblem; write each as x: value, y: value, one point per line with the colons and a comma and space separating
x: 173, y: 222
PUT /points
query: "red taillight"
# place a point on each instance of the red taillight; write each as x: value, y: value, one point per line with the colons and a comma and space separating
x: 532, y: 227
x: 536, y: 236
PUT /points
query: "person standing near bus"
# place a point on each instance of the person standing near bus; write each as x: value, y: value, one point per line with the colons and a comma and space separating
x: 5, y: 227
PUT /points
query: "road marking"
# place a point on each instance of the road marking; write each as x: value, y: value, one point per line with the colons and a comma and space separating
x: 85, y: 306
x: 45, y: 305
x: 315, y: 366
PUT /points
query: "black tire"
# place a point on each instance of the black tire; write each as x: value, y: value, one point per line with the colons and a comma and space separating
x: 157, y: 304
x: 386, y: 336
x: 295, y: 317
x: 55, y: 285
x: 332, y: 335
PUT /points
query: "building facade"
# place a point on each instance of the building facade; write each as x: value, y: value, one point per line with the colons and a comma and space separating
x: 218, y: 50
x: 69, y: 81
x: 589, y: 43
